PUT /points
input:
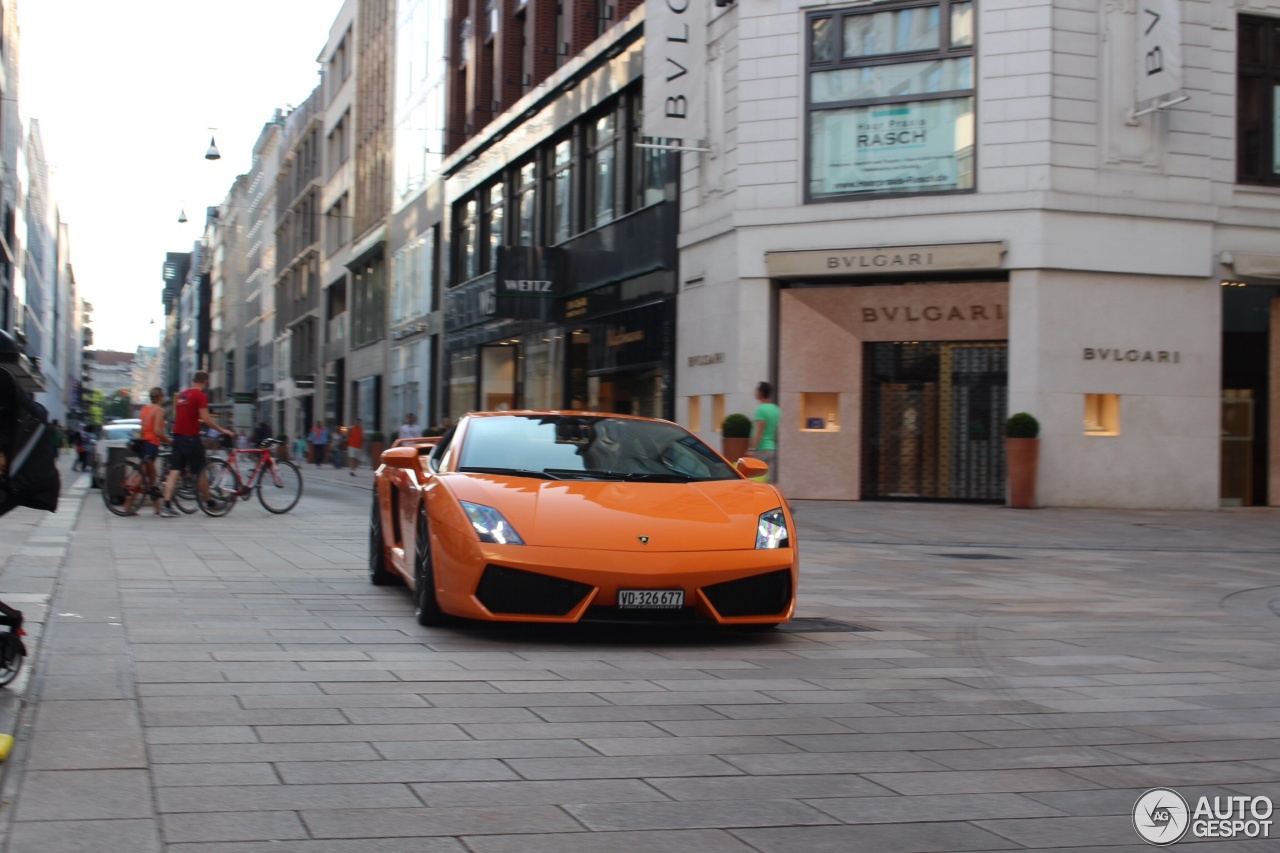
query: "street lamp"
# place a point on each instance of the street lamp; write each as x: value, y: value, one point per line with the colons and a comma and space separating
x: 212, y: 153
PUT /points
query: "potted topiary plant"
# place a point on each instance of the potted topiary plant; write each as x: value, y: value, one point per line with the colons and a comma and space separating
x: 735, y: 436
x: 1022, y: 455
x: 377, y: 444
x: 282, y: 449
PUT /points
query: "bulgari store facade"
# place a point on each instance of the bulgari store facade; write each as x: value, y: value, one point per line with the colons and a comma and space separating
x: 897, y: 366
x: 896, y: 381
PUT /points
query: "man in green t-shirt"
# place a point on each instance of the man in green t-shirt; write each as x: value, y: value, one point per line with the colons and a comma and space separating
x: 764, y: 438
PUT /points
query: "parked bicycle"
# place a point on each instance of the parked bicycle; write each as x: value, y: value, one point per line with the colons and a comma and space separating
x: 278, y: 482
x: 128, y: 485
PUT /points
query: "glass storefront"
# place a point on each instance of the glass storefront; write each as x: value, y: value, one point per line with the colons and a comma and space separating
x: 462, y: 382
x: 543, y: 370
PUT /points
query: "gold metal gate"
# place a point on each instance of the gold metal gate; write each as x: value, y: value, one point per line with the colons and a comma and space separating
x: 932, y: 416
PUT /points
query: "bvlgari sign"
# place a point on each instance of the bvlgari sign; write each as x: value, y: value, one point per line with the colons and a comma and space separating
x: 888, y: 259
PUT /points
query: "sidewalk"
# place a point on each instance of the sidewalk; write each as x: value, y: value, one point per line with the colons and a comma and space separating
x: 33, y: 547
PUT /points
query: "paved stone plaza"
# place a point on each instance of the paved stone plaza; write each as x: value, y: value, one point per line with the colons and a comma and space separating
x: 962, y: 678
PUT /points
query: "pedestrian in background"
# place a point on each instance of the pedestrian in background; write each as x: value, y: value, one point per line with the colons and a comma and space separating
x: 261, y: 433
x: 409, y: 429
x: 764, y: 440
x: 55, y: 435
x: 300, y: 448
x: 319, y: 442
x: 339, y: 447
x: 355, y: 445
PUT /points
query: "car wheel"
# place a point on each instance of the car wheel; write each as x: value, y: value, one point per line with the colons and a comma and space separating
x: 425, y: 607
x: 378, y: 574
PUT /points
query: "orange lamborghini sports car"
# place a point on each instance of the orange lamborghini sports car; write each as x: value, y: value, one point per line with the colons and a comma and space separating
x: 575, y: 517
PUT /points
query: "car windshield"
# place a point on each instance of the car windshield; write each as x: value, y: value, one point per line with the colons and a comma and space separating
x: 116, y: 432
x: 584, y: 447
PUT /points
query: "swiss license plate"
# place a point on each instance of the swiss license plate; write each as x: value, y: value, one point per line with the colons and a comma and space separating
x: 651, y: 599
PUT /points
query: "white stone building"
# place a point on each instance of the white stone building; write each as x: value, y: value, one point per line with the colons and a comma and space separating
x: 917, y: 218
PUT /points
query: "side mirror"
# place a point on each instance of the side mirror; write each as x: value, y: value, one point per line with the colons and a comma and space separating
x: 752, y: 468
x: 401, y: 457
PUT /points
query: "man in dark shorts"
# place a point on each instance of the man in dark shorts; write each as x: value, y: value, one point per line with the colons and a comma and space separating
x: 190, y: 410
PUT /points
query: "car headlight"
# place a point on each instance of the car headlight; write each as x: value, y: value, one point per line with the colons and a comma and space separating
x: 772, y: 530
x: 490, y: 526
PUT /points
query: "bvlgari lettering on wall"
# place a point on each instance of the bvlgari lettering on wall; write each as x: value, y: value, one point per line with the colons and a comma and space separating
x: 869, y: 261
x: 1160, y: 356
x: 704, y: 360
x: 933, y: 313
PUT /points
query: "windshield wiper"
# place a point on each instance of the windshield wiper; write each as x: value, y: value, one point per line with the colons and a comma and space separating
x: 635, y: 477
x: 668, y: 477
x: 584, y: 474
x: 514, y: 472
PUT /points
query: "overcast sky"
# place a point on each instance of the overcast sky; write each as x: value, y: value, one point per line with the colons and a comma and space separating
x: 125, y: 93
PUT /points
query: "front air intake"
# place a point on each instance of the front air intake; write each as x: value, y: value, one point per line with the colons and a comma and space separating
x: 761, y: 595
x: 515, y: 592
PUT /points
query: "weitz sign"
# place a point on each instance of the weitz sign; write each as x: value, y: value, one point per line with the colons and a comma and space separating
x: 675, y: 61
x: 1159, y: 50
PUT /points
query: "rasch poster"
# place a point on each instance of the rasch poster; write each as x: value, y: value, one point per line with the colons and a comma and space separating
x: 925, y: 146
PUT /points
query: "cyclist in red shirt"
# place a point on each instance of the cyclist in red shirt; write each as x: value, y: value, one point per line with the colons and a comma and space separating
x: 190, y: 408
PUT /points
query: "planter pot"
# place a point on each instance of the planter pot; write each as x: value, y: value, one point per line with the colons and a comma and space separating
x: 1023, y: 457
x: 375, y: 453
x: 734, y: 448
x: 282, y: 452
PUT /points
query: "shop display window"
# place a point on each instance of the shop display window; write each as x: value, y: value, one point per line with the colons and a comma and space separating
x: 1102, y: 414
x: 819, y: 412
x: 717, y: 411
x: 694, y: 419
x: 543, y: 363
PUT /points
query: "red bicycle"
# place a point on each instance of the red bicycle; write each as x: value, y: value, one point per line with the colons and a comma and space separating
x: 277, y: 481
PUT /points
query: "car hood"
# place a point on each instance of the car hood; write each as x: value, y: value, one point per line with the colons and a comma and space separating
x: 718, y: 515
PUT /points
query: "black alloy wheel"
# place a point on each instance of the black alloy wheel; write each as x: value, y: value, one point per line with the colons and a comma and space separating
x: 425, y: 607
x: 378, y: 574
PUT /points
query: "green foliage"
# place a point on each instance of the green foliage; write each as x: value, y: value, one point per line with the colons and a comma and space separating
x: 282, y: 437
x: 378, y: 436
x: 93, y: 405
x: 1022, y: 425
x: 736, y: 426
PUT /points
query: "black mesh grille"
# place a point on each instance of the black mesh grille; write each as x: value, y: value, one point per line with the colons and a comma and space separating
x: 505, y: 590
x: 761, y: 595
x: 675, y: 616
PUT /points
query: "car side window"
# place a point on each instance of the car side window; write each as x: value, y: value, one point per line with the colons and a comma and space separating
x: 436, y: 460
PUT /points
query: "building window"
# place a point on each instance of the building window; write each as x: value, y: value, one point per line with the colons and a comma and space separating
x: 463, y: 367
x: 464, y: 42
x: 650, y: 165
x: 561, y: 180
x: 494, y: 208
x: 468, y: 242
x: 338, y: 146
x: 604, y: 153
x: 490, y: 20
x: 891, y: 99
x: 337, y: 226
x: 1258, y: 102
x: 527, y: 206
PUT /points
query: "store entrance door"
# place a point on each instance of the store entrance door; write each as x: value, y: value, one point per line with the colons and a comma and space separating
x: 932, y: 414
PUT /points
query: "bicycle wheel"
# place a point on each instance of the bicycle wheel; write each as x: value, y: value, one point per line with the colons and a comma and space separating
x: 11, y: 657
x: 223, y: 488
x: 280, y: 489
x: 184, y: 494
x: 123, y: 488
